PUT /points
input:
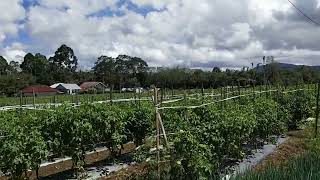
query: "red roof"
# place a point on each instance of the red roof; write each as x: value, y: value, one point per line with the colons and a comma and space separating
x: 39, y: 89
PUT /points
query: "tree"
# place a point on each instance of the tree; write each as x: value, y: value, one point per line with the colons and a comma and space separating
x: 62, y: 65
x: 104, y: 69
x: 27, y: 66
x: 64, y: 57
x: 3, y: 66
x: 131, y: 69
x: 216, y: 70
x: 37, y: 65
x: 14, y: 67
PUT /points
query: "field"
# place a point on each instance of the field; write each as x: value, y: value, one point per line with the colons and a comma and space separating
x: 199, y: 133
x: 25, y: 100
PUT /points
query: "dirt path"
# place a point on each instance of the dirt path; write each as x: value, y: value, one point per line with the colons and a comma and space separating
x: 293, y: 147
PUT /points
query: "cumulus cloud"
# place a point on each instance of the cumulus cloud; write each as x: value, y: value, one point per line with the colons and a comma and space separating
x: 15, y: 52
x: 12, y: 12
x: 172, y: 32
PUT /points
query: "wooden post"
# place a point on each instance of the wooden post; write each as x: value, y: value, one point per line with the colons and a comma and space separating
x: 254, y: 92
x: 20, y: 101
x: 266, y: 89
x: 260, y: 89
x: 185, y: 104
x: 158, y: 129
x: 212, y: 94
x: 162, y: 128
x: 77, y: 97
x: 110, y: 94
x: 202, y: 95
x: 232, y: 88
x: 34, y: 98
x: 172, y: 91
x: 139, y: 97
x: 317, y: 113
x: 239, y: 92
x: 221, y: 97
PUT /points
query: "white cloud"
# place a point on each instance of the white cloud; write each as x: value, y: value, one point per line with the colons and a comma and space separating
x: 184, y: 32
x: 12, y: 12
x: 15, y: 52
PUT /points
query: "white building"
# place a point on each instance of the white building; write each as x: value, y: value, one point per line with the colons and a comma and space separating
x: 67, y: 88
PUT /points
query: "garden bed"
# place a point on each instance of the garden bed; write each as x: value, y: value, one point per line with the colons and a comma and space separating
x: 65, y: 164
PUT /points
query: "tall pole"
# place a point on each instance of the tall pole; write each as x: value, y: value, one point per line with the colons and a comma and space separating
x: 317, y: 113
x: 158, y: 129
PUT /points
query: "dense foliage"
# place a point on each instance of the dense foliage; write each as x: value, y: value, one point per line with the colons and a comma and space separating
x: 203, y: 141
x: 207, y: 140
x: 28, y: 138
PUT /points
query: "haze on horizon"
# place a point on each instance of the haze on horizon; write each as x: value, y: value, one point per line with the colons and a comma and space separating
x: 203, y: 33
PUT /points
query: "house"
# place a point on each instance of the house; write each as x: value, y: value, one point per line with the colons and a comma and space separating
x: 67, y: 88
x: 137, y: 90
x: 94, y: 87
x: 39, y: 90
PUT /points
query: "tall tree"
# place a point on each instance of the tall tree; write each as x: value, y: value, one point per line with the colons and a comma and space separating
x: 14, y: 67
x: 37, y: 65
x: 64, y: 57
x: 27, y: 66
x: 104, y: 70
x: 3, y: 66
x: 62, y: 65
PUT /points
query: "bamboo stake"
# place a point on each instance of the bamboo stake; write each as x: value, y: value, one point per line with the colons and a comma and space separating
x: 317, y: 113
x: 162, y: 128
x: 158, y: 132
x: 110, y: 94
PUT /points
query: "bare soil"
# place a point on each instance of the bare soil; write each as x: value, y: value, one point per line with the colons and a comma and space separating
x: 293, y: 147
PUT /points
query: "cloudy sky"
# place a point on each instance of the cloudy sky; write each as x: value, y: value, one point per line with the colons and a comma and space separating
x: 194, y: 33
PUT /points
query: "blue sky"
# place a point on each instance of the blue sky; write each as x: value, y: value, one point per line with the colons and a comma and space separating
x: 190, y: 33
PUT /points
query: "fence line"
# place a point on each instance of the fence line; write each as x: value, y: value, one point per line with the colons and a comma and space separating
x: 227, y: 99
x: 41, y: 106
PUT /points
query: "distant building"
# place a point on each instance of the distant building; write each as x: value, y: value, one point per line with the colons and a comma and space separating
x: 137, y: 90
x: 94, y: 87
x: 67, y: 88
x: 39, y: 90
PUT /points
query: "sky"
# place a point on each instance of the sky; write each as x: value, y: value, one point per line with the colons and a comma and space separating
x: 188, y: 33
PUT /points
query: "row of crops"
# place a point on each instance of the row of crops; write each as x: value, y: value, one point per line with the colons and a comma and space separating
x: 202, y: 143
x: 208, y: 140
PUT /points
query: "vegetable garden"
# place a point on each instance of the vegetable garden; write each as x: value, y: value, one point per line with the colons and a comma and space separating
x: 202, y: 134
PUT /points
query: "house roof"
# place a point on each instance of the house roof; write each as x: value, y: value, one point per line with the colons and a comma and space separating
x: 70, y: 86
x: 87, y: 85
x: 66, y: 86
x: 39, y: 89
x: 55, y: 85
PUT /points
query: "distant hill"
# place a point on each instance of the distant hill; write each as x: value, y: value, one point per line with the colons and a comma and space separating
x: 284, y: 66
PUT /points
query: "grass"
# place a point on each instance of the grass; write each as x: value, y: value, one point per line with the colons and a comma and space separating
x: 11, y: 101
x: 304, y: 167
x: 298, y: 159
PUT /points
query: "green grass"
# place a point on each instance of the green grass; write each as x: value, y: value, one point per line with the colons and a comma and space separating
x: 305, y: 167
x: 11, y: 101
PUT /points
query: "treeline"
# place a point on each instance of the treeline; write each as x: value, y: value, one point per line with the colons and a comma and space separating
x: 127, y: 71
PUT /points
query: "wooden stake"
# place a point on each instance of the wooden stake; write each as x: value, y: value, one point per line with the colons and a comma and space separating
x: 158, y: 129
x: 162, y: 128
x: 317, y: 113
x: 110, y: 94
x: 34, y: 98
